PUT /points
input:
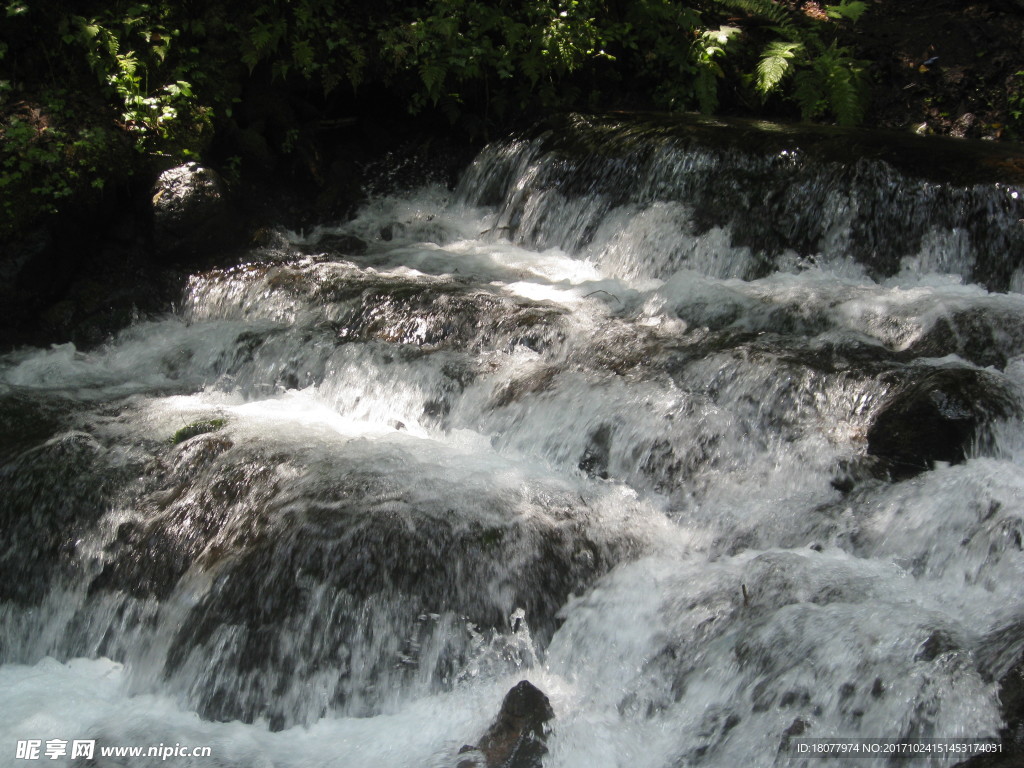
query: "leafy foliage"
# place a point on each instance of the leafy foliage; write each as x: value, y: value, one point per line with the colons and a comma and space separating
x: 847, y: 9
x: 1015, y: 104
x: 783, y: 21
x: 775, y: 64
x: 163, y: 78
x: 48, y: 157
x: 832, y: 82
x: 827, y: 79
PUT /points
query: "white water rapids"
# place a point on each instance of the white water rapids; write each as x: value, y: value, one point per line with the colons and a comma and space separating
x: 293, y: 521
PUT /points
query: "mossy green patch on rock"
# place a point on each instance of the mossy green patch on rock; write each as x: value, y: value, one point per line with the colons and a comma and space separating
x: 196, y: 428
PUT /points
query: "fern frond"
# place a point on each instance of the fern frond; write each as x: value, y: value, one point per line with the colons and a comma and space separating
x: 765, y: 9
x: 433, y: 76
x: 845, y: 92
x: 775, y: 64
x: 809, y: 93
x: 847, y: 9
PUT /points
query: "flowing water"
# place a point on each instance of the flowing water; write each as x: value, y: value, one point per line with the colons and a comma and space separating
x: 606, y: 418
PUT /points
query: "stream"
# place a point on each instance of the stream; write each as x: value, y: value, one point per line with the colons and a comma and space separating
x: 717, y: 443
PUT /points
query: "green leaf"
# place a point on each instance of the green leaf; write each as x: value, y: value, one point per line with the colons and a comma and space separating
x: 848, y: 9
x: 302, y: 53
x: 844, y: 95
x: 432, y: 76
x: 809, y: 93
x: 722, y: 35
x: 775, y: 64
x: 766, y: 9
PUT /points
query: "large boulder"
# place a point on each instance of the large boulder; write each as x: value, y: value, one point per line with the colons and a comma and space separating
x: 192, y: 218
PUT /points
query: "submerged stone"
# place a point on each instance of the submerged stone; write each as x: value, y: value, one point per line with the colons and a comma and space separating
x: 1001, y: 650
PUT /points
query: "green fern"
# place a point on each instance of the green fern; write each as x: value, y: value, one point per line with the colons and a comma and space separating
x: 844, y: 88
x: 776, y: 62
x: 832, y: 83
x: 826, y: 79
x: 433, y: 76
x: 711, y: 45
x: 847, y: 9
x: 778, y: 15
x: 809, y: 93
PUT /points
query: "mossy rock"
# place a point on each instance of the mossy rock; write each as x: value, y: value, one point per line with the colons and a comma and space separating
x: 196, y: 428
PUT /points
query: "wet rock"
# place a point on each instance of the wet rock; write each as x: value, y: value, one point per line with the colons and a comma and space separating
x: 797, y: 698
x: 597, y: 455
x: 775, y: 191
x: 877, y: 688
x: 1001, y: 651
x: 80, y: 277
x: 539, y: 380
x: 27, y: 421
x: 1011, y: 701
x: 516, y: 738
x: 844, y: 483
x: 363, y: 573
x: 717, y: 723
x: 797, y: 728
x: 39, y: 529
x: 329, y: 580
x: 343, y: 245
x: 937, y: 417
x: 936, y: 644
x: 191, y: 215
x: 28, y: 269
x: 441, y: 315
x: 987, y: 337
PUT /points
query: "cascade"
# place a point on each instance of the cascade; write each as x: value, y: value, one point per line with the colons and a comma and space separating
x: 711, y: 432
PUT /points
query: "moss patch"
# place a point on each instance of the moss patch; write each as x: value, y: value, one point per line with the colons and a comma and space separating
x: 196, y: 428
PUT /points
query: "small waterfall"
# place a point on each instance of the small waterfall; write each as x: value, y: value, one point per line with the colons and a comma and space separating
x: 712, y: 432
x: 647, y: 198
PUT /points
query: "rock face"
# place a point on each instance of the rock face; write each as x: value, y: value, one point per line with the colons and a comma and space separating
x: 516, y: 738
x: 191, y: 215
